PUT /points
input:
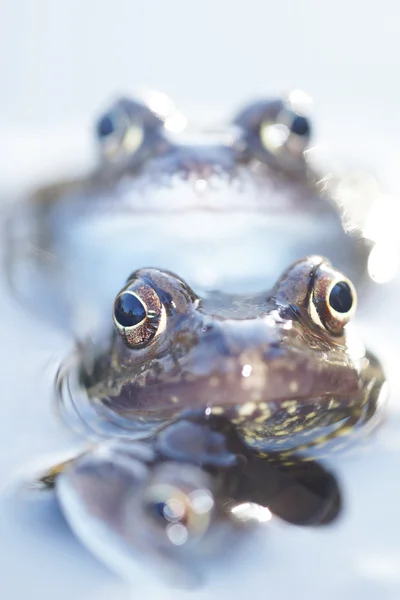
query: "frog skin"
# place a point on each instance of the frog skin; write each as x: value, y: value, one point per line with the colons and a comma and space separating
x: 235, y: 393
x: 189, y: 493
x: 285, y: 367
x: 211, y: 208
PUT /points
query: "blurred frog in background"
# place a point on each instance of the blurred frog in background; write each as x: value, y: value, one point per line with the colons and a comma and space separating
x: 226, y: 207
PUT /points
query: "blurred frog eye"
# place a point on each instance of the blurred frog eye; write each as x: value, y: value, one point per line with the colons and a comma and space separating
x: 106, y: 126
x: 278, y: 128
x: 182, y: 514
x: 120, y: 129
x: 139, y: 316
x: 333, y: 299
x: 289, y: 131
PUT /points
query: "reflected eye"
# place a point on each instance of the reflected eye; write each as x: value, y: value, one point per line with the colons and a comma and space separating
x: 183, y: 515
x: 333, y: 300
x: 138, y: 314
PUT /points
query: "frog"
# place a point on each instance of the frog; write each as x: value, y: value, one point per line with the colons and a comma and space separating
x: 285, y: 366
x: 210, y: 203
x: 242, y: 392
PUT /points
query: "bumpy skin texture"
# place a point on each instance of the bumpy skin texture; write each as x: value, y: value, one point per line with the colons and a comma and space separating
x: 267, y: 363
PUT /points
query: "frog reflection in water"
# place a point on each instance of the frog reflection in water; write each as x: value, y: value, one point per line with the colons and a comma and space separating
x: 232, y: 395
x: 190, y: 493
x: 209, y: 209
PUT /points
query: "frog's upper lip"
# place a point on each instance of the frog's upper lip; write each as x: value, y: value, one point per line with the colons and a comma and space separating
x: 291, y: 376
x: 137, y: 410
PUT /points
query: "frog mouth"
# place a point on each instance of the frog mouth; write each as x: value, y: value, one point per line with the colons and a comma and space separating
x: 95, y: 417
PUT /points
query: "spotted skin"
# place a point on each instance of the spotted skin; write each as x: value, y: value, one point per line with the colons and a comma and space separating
x: 265, y: 363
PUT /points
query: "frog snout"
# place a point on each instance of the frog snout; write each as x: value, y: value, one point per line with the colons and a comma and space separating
x: 261, y: 361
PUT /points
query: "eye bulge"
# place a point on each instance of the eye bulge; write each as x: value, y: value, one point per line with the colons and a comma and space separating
x: 138, y: 314
x: 333, y: 300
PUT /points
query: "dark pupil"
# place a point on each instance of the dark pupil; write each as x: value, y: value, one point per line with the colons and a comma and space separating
x: 300, y: 126
x: 128, y: 310
x: 341, y: 298
x: 105, y: 126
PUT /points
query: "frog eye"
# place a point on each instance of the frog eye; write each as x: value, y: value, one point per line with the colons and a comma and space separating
x: 139, y: 316
x: 181, y: 514
x: 120, y: 129
x: 130, y: 128
x: 278, y: 129
x: 289, y: 131
x: 333, y: 300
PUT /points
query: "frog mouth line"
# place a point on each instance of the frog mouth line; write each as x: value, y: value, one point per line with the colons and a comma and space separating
x: 93, y: 419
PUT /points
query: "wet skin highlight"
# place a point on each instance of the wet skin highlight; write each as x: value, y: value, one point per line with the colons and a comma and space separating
x: 285, y: 367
